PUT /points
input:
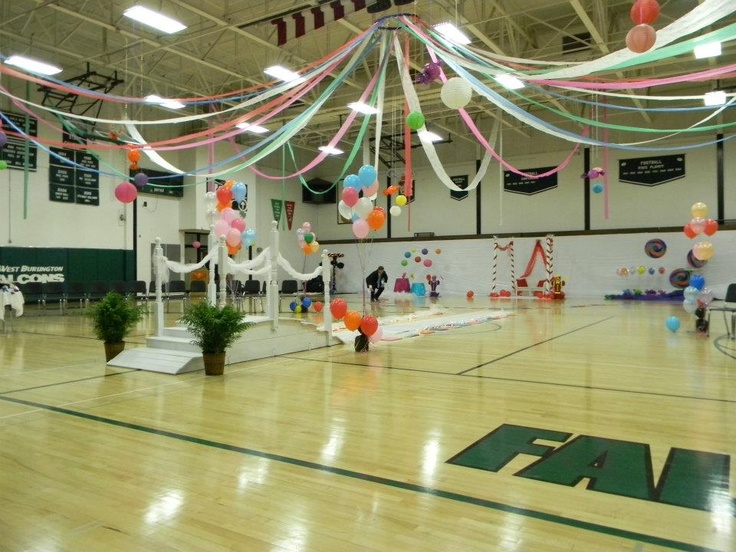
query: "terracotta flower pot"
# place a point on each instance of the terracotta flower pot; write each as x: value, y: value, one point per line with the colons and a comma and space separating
x: 214, y: 363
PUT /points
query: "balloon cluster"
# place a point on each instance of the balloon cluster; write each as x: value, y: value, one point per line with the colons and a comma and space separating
x: 696, y: 295
x: 307, y: 239
x: 642, y: 36
x: 367, y: 325
x: 134, y: 156
x: 303, y: 305
x: 229, y: 222
x: 640, y: 270
x: 703, y: 250
x: 361, y: 210
x: 592, y: 174
x: 430, y: 73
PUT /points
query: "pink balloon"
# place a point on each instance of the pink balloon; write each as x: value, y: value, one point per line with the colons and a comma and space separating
x: 229, y: 214
x: 221, y: 228
x: 196, y: 244
x: 371, y: 190
x: 376, y: 336
x: 350, y: 196
x: 238, y: 223
x: 360, y: 228
x: 233, y: 237
x: 427, y: 263
x: 125, y: 192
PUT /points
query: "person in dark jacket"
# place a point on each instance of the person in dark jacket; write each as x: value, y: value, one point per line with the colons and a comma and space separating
x: 376, y: 281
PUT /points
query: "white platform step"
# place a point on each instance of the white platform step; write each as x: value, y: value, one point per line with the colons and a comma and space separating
x: 166, y: 361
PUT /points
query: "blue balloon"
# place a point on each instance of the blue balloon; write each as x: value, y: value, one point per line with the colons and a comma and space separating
x: 292, y: 306
x: 367, y: 175
x: 239, y: 190
x: 306, y: 302
x: 673, y: 323
x: 697, y: 281
x: 597, y: 188
x: 353, y: 181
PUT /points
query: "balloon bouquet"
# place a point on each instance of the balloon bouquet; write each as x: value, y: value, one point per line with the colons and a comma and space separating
x: 229, y: 223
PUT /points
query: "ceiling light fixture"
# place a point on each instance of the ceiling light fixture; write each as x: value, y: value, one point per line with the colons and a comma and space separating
x: 281, y: 73
x: 33, y: 65
x: 154, y: 19
x: 711, y: 49
x: 363, y: 108
x: 255, y: 129
x: 452, y: 33
x: 163, y: 102
x: 330, y: 150
x: 509, y: 81
x: 429, y: 136
x: 717, y: 97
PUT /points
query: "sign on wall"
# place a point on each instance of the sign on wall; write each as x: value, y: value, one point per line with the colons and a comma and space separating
x: 461, y: 182
x: 74, y: 177
x: 519, y: 184
x: 20, y: 153
x: 651, y: 171
x: 161, y: 183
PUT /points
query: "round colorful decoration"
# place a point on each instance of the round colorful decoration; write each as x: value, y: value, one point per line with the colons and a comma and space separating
x: 655, y: 248
x: 693, y: 261
x: 680, y: 278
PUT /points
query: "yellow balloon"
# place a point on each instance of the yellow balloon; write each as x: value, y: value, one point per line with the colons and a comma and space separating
x: 703, y: 251
x: 641, y: 270
x: 699, y: 210
x: 400, y: 200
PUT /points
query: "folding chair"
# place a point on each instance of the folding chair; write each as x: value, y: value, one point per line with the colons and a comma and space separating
x: 289, y: 288
x: 728, y: 306
x: 176, y: 290
x: 252, y: 290
x: 77, y: 291
x: 54, y: 292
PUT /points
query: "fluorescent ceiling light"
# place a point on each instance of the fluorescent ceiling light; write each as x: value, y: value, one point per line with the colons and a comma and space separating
x: 711, y: 49
x: 429, y: 136
x: 452, y: 33
x: 714, y: 98
x: 255, y: 129
x: 33, y: 65
x: 365, y: 109
x: 509, y: 81
x: 329, y: 150
x: 154, y: 19
x: 281, y: 73
x: 163, y: 102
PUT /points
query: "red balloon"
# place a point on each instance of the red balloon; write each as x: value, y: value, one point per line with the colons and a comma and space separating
x: 125, y: 192
x: 338, y: 308
x: 369, y: 325
x: 689, y: 232
x: 470, y: 294
x: 318, y: 306
x: 711, y: 227
x: 352, y: 320
x: 224, y: 195
x: 644, y: 11
x: 641, y: 38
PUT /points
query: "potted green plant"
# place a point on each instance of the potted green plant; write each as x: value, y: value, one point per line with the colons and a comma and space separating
x: 214, y: 330
x: 113, y: 317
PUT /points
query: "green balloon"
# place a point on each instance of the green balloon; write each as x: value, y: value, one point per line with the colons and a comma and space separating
x: 415, y: 120
x: 3, y: 165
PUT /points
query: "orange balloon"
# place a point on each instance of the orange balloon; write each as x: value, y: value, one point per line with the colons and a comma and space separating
x: 376, y: 218
x: 352, y: 320
x: 232, y: 250
x: 229, y: 184
x: 391, y: 190
x: 641, y: 38
x: 307, y: 249
x: 134, y: 156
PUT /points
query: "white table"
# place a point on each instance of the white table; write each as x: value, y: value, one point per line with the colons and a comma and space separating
x: 14, y: 299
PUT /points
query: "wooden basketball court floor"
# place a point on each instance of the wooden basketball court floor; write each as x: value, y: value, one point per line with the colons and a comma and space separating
x: 574, y: 425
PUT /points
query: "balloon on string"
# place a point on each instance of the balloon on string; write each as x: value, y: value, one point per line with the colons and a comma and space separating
x: 233, y: 237
x: 125, y: 192
x: 597, y: 188
x: 703, y: 250
x: 238, y: 223
x: 456, y: 93
x: 672, y: 323
x: 400, y: 200
x: 309, y: 237
x: 238, y: 191
x: 376, y: 336
x: 360, y: 229
x: 345, y: 210
x: 644, y: 11
x: 367, y: 175
x: 369, y: 325
x: 690, y: 293
x: 395, y: 210
x: 229, y: 214
x: 224, y: 195
x: 318, y: 306
x: 706, y: 296
x: 210, y: 200
x: 376, y: 219
x: 641, y: 38
x: 221, y: 228
x: 352, y: 320
x: 196, y: 244
x: 363, y: 207
x: 350, y: 196
x: 697, y: 281
x: 371, y: 191
x: 352, y: 181
x: 391, y: 190
x: 338, y: 308
x: 710, y: 227
x: 140, y: 180
x: 689, y: 306
x: 134, y: 156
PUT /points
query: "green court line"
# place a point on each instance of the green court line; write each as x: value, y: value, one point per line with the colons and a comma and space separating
x: 465, y: 499
x: 65, y: 382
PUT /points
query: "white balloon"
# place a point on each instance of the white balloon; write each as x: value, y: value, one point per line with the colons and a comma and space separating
x: 395, y: 210
x: 345, y: 210
x: 363, y: 208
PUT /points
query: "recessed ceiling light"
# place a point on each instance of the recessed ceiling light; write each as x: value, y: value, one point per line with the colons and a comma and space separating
x: 715, y: 98
x: 509, y: 81
x: 33, y: 65
x: 712, y: 49
x: 365, y: 109
x: 281, y: 73
x: 255, y: 129
x: 329, y: 150
x: 452, y: 33
x: 154, y: 19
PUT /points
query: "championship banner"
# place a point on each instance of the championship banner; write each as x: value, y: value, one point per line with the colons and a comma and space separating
x: 461, y: 182
x: 651, y: 171
x: 277, y: 206
x: 518, y: 184
x: 298, y: 24
x: 290, y: 213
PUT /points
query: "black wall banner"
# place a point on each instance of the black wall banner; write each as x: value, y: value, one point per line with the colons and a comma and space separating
x: 461, y: 182
x: 161, y: 183
x: 74, y: 177
x: 518, y: 184
x: 14, y: 152
x: 651, y: 171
